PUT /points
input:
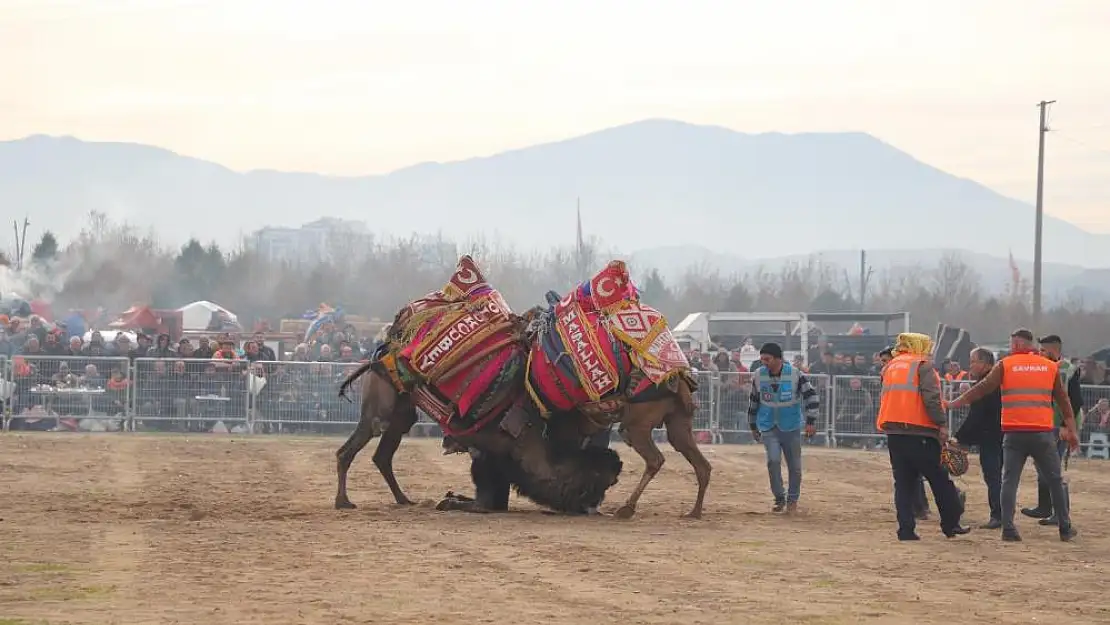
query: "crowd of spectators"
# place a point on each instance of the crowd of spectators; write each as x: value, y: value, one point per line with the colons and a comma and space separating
x: 190, y: 384
x: 200, y: 380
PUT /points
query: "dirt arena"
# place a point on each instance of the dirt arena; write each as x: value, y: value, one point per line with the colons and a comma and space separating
x: 133, y: 528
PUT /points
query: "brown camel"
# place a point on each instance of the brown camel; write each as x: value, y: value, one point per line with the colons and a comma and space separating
x: 671, y: 406
x: 568, y: 480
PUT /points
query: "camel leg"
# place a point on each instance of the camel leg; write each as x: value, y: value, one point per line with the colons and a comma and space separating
x: 404, y: 418
x: 680, y: 433
x: 491, y: 489
x: 639, y: 438
x: 362, y: 435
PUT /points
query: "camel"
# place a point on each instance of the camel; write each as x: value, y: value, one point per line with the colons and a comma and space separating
x: 564, y: 479
x: 674, y: 409
x: 670, y: 405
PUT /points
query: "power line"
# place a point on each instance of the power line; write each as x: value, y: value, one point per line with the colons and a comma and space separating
x: 1071, y: 139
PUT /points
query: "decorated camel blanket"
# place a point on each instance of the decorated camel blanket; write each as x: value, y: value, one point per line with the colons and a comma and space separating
x: 458, y: 350
x: 600, y: 345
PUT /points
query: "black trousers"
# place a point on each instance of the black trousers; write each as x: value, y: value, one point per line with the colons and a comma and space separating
x: 912, y: 458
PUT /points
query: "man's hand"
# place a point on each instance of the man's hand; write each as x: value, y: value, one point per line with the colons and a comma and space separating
x: 1069, y: 436
x: 956, y: 403
x: 943, y: 435
x: 756, y: 435
x: 811, y: 430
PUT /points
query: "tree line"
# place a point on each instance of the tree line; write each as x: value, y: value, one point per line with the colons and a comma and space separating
x: 114, y: 265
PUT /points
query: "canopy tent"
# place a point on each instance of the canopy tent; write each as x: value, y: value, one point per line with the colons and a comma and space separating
x: 136, y: 318
x: 205, y: 315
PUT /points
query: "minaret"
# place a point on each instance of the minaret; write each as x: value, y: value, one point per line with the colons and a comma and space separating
x: 580, y: 249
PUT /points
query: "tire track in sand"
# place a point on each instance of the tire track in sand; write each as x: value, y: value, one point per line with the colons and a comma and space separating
x: 121, y: 546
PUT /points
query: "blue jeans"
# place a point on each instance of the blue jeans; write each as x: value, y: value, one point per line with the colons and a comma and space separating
x: 779, y: 444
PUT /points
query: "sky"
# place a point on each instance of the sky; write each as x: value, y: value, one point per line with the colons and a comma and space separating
x: 352, y: 87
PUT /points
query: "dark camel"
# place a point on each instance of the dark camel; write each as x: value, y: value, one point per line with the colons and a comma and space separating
x: 564, y: 479
x: 672, y: 407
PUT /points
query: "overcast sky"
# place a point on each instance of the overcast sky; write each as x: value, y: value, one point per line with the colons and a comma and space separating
x: 355, y: 87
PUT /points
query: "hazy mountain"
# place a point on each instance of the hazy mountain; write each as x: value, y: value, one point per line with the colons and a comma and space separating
x: 1061, y: 281
x: 643, y: 185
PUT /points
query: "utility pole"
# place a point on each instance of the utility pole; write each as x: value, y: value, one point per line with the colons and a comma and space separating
x: 1037, y: 234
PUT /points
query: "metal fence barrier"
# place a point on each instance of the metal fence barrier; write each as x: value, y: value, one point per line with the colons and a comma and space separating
x: 147, y: 394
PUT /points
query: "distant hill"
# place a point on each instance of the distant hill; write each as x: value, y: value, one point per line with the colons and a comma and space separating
x: 643, y: 185
x: 1060, y: 280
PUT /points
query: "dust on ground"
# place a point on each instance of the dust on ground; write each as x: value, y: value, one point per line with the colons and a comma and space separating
x: 133, y: 529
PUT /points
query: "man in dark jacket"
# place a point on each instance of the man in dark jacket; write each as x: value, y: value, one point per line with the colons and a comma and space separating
x: 983, y: 427
x: 1051, y: 348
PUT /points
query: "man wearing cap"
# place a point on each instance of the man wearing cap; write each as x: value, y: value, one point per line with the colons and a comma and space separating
x: 1051, y: 348
x: 911, y: 415
x: 1031, y: 387
x: 780, y: 395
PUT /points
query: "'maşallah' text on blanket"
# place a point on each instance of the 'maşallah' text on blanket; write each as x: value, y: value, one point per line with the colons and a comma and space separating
x: 459, y: 352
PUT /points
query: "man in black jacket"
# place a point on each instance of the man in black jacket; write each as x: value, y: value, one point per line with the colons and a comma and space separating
x: 1051, y: 347
x: 983, y: 427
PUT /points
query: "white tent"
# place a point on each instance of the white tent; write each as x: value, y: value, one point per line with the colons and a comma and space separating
x: 196, y: 316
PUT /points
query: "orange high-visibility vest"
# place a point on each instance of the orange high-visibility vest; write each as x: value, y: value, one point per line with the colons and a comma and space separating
x: 953, y: 378
x: 901, y: 399
x: 1027, y: 383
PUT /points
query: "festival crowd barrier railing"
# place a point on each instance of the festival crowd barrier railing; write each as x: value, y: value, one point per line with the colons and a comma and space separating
x: 67, y: 392
x: 112, y: 393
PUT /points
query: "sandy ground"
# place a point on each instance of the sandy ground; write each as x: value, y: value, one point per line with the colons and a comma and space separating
x: 132, y: 528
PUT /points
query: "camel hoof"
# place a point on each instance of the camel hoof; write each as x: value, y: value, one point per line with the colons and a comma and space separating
x: 405, y: 502
x: 344, y: 504
x: 625, y: 512
x: 692, y: 515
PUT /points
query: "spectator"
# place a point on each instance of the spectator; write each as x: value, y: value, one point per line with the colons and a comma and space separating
x: 859, y: 364
x: 827, y: 366
x: 300, y: 353
x: 161, y: 348
x: 31, y: 347
x: 856, y: 407
x: 346, y: 354
x: 96, y: 340
x: 226, y: 351
x: 76, y: 348
x: 264, y: 351
x: 7, y: 349
x: 204, y: 348
x: 142, y: 349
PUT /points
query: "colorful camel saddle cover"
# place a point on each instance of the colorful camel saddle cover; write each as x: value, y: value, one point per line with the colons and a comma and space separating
x: 600, y: 346
x: 459, y: 351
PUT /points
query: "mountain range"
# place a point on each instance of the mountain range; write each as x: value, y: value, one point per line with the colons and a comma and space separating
x: 649, y: 185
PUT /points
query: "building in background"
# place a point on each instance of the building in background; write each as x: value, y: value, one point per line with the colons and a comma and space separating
x: 322, y: 240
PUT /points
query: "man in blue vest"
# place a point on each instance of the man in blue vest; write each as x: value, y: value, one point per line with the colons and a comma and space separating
x: 781, y: 395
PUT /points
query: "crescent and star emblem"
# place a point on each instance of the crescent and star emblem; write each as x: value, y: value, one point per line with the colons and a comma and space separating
x: 467, y: 276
